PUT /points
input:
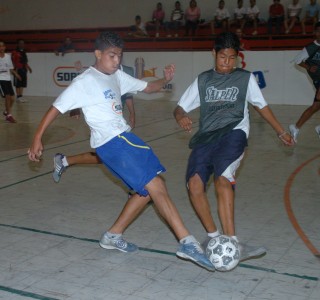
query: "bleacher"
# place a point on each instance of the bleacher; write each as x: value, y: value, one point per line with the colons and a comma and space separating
x: 83, y: 39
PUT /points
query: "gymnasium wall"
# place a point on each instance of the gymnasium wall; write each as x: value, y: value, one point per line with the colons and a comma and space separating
x: 280, y: 80
x: 60, y: 14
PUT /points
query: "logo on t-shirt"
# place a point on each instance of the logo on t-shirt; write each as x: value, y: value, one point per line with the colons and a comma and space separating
x: 229, y: 94
x: 109, y: 94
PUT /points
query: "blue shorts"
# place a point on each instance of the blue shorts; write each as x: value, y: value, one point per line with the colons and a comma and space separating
x: 221, y: 158
x: 130, y: 159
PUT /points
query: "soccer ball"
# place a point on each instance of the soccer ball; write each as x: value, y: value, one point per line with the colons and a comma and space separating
x: 224, y: 253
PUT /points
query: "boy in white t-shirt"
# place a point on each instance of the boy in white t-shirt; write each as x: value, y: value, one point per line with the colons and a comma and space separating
x: 221, y: 17
x: 6, y: 89
x: 292, y: 16
x: 97, y: 91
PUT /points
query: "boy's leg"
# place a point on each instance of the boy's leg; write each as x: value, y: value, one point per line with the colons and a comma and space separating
x: 200, y: 203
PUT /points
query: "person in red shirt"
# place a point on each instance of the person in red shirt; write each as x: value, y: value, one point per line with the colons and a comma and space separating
x: 276, y: 16
x: 21, y: 66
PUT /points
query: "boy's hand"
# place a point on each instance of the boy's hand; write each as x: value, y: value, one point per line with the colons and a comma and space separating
x: 35, y: 151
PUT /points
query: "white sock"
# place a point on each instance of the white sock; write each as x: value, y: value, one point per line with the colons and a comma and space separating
x: 214, y: 234
x: 64, y: 161
x: 113, y: 236
x: 188, y: 239
x: 236, y: 238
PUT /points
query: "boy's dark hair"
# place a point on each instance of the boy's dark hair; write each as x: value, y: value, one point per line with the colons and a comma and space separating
x: 316, y: 25
x: 227, y: 40
x: 108, y: 39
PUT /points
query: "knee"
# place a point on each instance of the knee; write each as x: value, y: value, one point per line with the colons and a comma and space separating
x: 195, y: 185
x: 222, y: 183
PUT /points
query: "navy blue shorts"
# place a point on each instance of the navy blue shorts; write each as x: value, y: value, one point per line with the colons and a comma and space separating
x: 221, y: 158
x: 6, y: 88
x: 130, y: 159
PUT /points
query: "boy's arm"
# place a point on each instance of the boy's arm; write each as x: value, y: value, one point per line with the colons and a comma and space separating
x: 182, y: 118
x: 268, y: 115
x: 35, y: 150
x: 132, y: 114
x: 15, y: 73
x: 157, y: 85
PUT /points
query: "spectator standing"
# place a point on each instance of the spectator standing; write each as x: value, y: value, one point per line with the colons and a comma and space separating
x: 276, y: 16
x: 158, y: 16
x: 239, y: 15
x: 139, y: 28
x: 293, y: 15
x: 252, y: 16
x: 311, y: 15
x: 66, y: 47
x: 221, y: 18
x: 20, y: 62
x: 176, y: 20
x: 6, y: 88
x: 192, y: 17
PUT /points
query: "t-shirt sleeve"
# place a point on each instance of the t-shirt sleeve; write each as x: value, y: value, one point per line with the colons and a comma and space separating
x: 302, y: 56
x: 129, y: 84
x: 190, y: 99
x: 254, y: 94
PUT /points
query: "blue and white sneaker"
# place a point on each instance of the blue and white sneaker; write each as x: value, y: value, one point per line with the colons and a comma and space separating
x: 317, y: 129
x: 118, y: 244
x: 193, y: 251
x: 58, y: 167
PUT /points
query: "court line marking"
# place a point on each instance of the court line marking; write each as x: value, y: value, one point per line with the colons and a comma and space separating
x: 24, y: 293
x: 291, y: 215
x: 150, y: 250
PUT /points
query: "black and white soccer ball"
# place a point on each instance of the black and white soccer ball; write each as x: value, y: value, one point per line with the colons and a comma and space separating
x: 223, y: 252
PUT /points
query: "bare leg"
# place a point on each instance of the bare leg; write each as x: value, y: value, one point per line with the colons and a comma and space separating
x: 83, y: 158
x: 161, y: 199
x: 129, y: 213
x: 200, y: 203
x: 225, y: 196
x: 307, y: 114
x: 8, y: 103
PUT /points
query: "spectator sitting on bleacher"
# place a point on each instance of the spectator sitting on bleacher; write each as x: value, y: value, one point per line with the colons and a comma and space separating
x: 66, y: 47
x: 157, y: 18
x: 138, y: 29
x: 176, y: 20
x: 276, y: 16
x: 239, y: 15
x: 221, y: 18
x: 292, y: 16
x: 244, y: 43
x: 192, y: 17
x: 311, y: 15
x: 252, y: 16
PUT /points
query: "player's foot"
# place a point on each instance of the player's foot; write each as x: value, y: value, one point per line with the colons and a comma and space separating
x: 317, y: 129
x: 117, y: 243
x: 10, y: 119
x: 193, y: 251
x: 294, y: 131
x: 58, y: 167
x: 21, y: 100
x: 251, y: 252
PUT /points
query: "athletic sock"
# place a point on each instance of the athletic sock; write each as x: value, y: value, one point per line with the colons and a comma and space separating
x: 214, y: 234
x: 188, y: 239
x: 113, y: 236
x: 64, y: 161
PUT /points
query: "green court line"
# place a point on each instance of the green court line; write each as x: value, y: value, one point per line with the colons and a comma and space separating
x: 243, y: 265
x: 24, y: 293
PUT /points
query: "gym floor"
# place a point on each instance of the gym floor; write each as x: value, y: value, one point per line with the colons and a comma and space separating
x: 49, y: 232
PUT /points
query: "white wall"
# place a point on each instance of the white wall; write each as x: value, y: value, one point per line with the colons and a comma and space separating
x: 284, y: 82
x: 62, y: 14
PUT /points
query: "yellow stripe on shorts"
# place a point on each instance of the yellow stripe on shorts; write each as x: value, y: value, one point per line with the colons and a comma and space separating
x: 133, y: 145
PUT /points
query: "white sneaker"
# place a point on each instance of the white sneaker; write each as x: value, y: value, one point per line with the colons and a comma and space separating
x: 317, y: 129
x: 294, y: 131
x: 21, y: 100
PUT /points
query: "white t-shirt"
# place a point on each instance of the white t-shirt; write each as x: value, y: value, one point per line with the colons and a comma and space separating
x: 99, y: 97
x: 294, y: 10
x: 190, y: 100
x: 222, y: 14
x: 240, y: 12
x: 5, y: 67
x: 252, y: 11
